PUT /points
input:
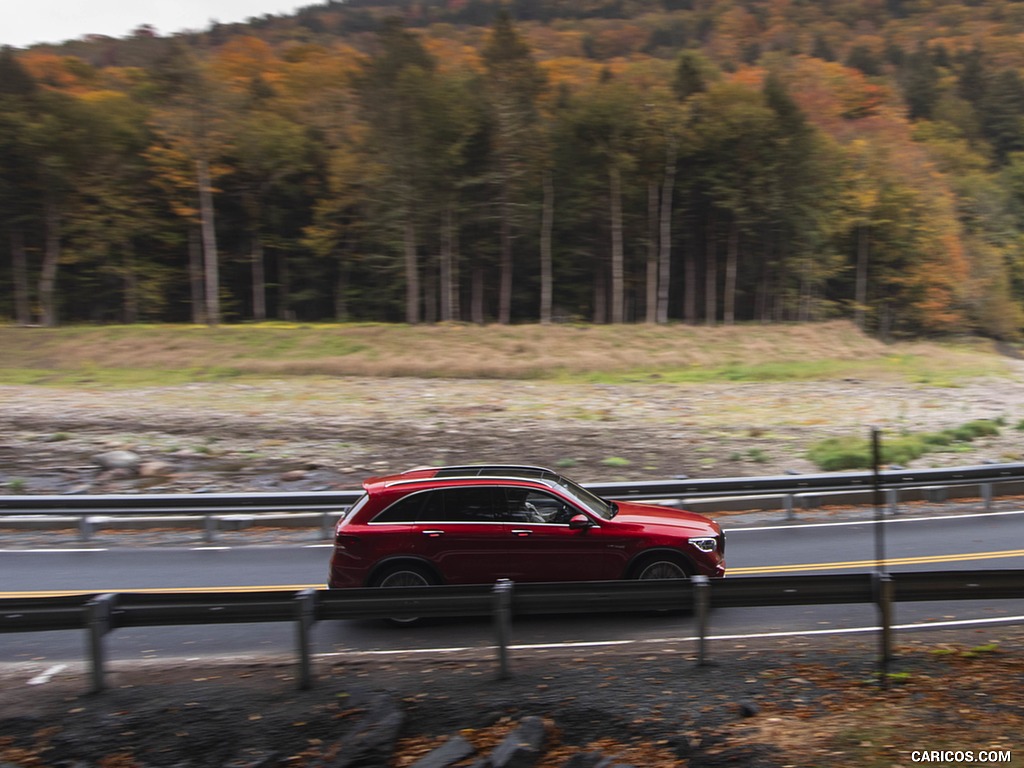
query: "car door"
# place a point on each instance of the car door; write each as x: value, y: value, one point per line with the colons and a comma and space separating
x: 461, y: 532
x: 542, y: 546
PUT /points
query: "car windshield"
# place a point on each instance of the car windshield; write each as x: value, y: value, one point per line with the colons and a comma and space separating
x: 589, y: 499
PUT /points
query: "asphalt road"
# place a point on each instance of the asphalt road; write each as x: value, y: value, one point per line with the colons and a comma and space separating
x: 944, y: 542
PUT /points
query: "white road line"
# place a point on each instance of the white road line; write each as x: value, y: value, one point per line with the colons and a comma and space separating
x: 51, y: 551
x: 975, y: 516
x: 690, y: 639
x: 44, y: 677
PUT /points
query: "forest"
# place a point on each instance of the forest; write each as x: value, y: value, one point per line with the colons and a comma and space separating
x: 527, y: 161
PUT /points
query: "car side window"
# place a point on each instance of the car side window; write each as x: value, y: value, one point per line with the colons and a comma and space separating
x: 474, y: 504
x: 524, y: 505
x: 410, y: 509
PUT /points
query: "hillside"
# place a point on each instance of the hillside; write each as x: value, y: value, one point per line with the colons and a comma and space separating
x: 608, y: 161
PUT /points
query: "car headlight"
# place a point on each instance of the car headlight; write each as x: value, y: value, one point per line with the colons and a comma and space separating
x: 704, y: 543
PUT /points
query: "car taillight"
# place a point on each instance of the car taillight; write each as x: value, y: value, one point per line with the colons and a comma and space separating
x: 345, y: 540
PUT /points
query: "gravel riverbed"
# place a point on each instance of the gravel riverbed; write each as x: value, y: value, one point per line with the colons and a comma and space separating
x: 307, y: 434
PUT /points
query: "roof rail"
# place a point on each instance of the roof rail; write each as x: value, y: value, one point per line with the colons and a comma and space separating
x: 469, y: 470
x: 486, y: 469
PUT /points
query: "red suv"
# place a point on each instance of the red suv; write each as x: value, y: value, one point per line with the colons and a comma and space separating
x: 477, y: 524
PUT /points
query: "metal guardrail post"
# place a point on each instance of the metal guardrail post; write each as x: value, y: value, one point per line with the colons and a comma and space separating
x: 885, y: 591
x: 986, y: 495
x: 503, y: 623
x: 97, y: 624
x: 209, y: 529
x: 892, y: 500
x: 701, y: 611
x: 326, y: 527
x: 788, y: 503
x: 84, y: 528
x: 305, y: 618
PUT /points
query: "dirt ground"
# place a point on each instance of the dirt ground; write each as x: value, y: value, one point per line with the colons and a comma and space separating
x: 788, y: 703
x: 793, y: 704
x: 319, y: 434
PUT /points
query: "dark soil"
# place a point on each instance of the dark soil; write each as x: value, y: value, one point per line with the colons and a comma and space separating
x: 780, y: 704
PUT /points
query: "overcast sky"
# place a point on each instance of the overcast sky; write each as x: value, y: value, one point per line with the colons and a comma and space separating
x: 23, y: 22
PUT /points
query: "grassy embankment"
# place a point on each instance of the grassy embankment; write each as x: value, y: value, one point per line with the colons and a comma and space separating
x: 141, y: 356
x: 131, y: 356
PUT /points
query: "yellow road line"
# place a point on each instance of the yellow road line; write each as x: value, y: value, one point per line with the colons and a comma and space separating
x: 923, y: 560
x: 749, y: 571
x: 150, y: 591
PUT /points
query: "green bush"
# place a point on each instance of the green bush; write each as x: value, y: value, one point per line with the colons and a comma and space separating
x: 835, y: 454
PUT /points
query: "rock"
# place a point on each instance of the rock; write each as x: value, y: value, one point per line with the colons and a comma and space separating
x: 292, y: 475
x: 371, y: 742
x: 454, y: 750
x: 154, y: 469
x: 118, y: 460
x: 521, y: 748
x: 588, y: 760
x: 119, y: 473
x: 747, y: 708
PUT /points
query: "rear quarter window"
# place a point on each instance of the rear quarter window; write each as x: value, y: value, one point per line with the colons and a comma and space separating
x: 408, y: 509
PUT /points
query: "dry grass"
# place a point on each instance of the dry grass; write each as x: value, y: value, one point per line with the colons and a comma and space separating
x: 139, y: 354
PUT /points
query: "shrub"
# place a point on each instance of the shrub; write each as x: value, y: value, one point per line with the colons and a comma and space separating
x: 839, y: 453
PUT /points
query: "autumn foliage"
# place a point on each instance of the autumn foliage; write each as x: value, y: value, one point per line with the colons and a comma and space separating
x: 704, y: 161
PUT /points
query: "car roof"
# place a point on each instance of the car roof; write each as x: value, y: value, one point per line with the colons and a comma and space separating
x: 464, y: 472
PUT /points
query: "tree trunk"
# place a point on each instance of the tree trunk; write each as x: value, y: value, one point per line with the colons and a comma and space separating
x: 731, y: 268
x: 445, y: 265
x: 665, y: 239
x: 19, y: 266
x: 456, y: 293
x: 131, y: 285
x: 340, y: 292
x: 618, y: 282
x: 259, y: 281
x: 412, y: 272
x: 48, y: 274
x: 651, y: 286
x: 600, y: 294
x: 861, y: 288
x: 505, y: 286
x: 211, y: 262
x: 710, y: 274
x: 477, y: 301
x: 195, y: 276
x: 285, y: 311
x: 547, y: 221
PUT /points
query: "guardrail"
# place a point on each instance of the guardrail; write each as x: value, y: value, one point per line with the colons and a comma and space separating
x: 231, y: 511
x: 101, y: 614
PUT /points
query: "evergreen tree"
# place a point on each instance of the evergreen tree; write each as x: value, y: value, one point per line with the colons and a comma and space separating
x: 514, y: 82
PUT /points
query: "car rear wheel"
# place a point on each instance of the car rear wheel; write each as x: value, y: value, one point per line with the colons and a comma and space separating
x: 403, y: 576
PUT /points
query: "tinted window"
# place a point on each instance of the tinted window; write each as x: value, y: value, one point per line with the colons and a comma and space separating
x: 409, y: 509
x: 525, y: 505
x: 452, y: 505
x: 474, y: 504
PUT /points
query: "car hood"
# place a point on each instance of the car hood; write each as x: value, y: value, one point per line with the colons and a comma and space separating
x: 649, y: 514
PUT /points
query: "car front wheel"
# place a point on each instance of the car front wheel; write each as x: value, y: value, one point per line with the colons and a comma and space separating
x: 659, y: 567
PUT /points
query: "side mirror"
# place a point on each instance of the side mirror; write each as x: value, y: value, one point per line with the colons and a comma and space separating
x: 580, y: 522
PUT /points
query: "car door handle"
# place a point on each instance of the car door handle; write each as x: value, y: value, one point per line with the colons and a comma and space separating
x: 433, y: 534
x: 521, y: 532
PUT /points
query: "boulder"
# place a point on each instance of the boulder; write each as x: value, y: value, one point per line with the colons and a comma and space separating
x: 521, y: 748
x: 453, y: 751
x: 118, y: 460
